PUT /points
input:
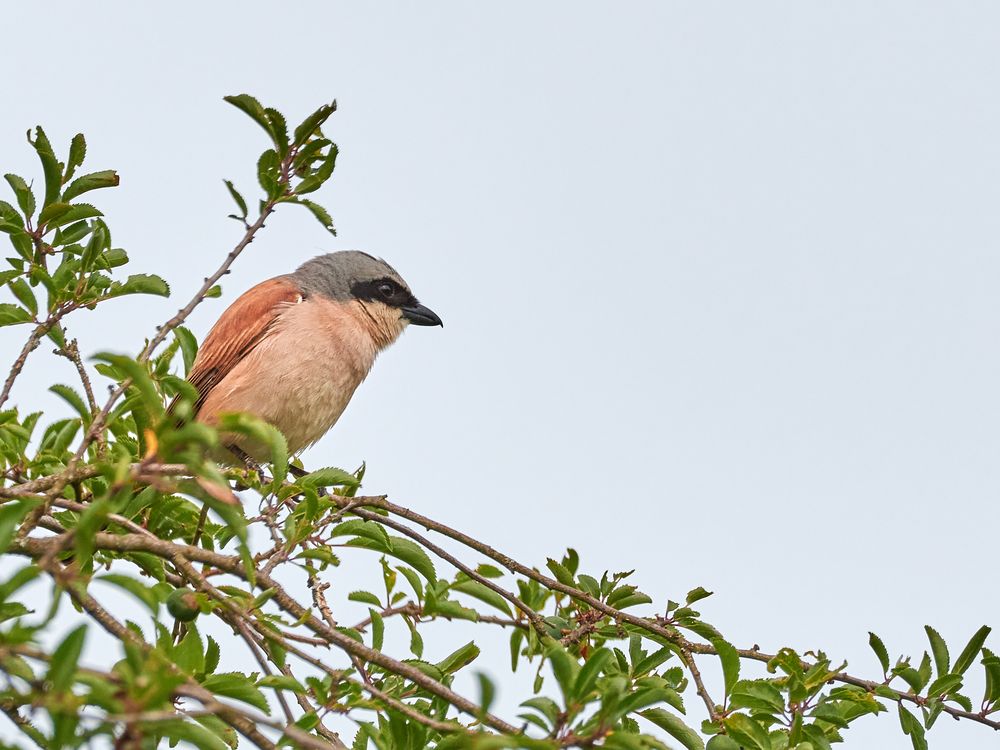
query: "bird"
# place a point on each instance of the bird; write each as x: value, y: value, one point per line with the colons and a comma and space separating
x: 293, y: 349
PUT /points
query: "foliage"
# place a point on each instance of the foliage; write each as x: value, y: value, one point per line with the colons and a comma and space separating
x: 114, y: 496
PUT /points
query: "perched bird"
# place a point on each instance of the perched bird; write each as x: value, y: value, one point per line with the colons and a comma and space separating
x: 293, y: 349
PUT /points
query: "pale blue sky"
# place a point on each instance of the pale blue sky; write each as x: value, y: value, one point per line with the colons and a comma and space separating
x: 719, y: 279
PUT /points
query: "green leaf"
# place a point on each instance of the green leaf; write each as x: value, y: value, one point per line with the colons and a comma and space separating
x: 212, y: 654
x: 11, y: 515
x: 64, y: 660
x: 24, y: 294
x: 757, y: 695
x: 13, y: 314
x: 237, y: 686
x: 187, y: 731
x: 459, y: 658
x: 673, y: 726
x: 483, y: 594
x: 747, y: 732
x: 94, y: 181
x: 912, y: 727
x: 77, y: 153
x: 730, y: 663
x: 880, y: 651
x: 189, y: 346
x: 25, y: 198
x: 378, y: 629
x: 140, y: 283
x: 321, y: 214
x: 559, y: 571
x: 589, y: 673
x: 564, y: 667
x: 189, y: 654
x: 279, y: 129
x: 240, y: 202
x: 72, y: 398
x: 365, y: 597
x: 282, y: 682
x: 50, y: 165
x: 329, y: 477
x: 311, y: 125
x: 696, y: 594
x: 942, y: 660
x: 251, y: 107
x: 944, y: 684
x: 53, y: 211
x: 369, y: 530
x: 971, y: 650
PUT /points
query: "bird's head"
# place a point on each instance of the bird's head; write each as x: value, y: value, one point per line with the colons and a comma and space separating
x: 370, y: 285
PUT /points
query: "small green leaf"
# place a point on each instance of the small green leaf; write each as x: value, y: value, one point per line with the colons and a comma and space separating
x: 328, y: 477
x: 321, y: 214
x: 459, y: 658
x: 971, y: 650
x: 483, y: 594
x: 77, y: 153
x: 240, y: 202
x: 253, y: 108
x: 673, y: 726
x: 311, y: 125
x: 940, y: 650
x: 93, y: 181
x: 64, y: 659
x: 880, y: 651
x: 365, y: 597
x: 282, y: 682
x: 140, y: 283
x: 187, y: 731
x: 237, y: 686
x: 25, y: 198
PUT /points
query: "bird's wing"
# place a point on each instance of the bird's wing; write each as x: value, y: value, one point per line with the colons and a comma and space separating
x: 241, y: 328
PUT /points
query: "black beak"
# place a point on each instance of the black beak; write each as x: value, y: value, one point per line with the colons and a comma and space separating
x: 422, y: 316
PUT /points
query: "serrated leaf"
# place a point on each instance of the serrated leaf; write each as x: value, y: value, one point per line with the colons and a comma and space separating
x: 250, y: 106
x: 240, y: 202
x: 140, y: 283
x: 311, y: 125
x: 365, y: 597
x: 942, y: 661
x: 730, y: 663
x: 94, y: 181
x: 880, y: 651
x: 971, y: 650
x: 237, y: 686
x: 321, y: 214
x: 77, y: 153
x: 329, y: 476
x: 25, y: 198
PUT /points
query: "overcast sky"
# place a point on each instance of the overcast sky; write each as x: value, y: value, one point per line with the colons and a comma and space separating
x: 719, y: 280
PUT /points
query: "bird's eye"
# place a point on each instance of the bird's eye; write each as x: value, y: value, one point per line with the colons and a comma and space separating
x: 386, y: 290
